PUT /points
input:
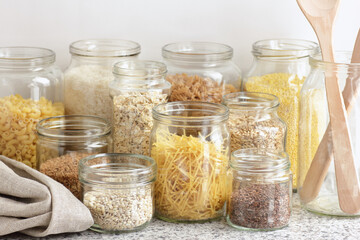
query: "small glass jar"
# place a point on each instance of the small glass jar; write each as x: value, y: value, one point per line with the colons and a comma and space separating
x: 190, y: 144
x: 64, y: 140
x: 118, y: 190
x: 200, y: 71
x: 138, y: 87
x: 31, y: 88
x: 314, y: 121
x: 89, y: 73
x: 254, y: 122
x: 260, y: 191
x: 280, y: 67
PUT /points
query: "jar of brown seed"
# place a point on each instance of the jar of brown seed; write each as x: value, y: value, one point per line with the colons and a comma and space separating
x: 260, y: 190
x: 254, y: 122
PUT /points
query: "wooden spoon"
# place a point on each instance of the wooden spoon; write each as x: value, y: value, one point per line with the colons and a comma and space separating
x: 322, y: 159
x: 321, y: 15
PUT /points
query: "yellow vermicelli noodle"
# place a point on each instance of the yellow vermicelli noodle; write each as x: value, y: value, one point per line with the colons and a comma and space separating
x: 191, y: 179
x: 18, y: 118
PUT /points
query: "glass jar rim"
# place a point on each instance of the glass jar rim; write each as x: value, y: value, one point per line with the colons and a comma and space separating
x: 139, y: 68
x: 283, y: 48
x: 259, y: 161
x: 172, y: 111
x: 73, y: 127
x: 143, y: 172
x: 105, y: 48
x: 197, y: 51
x: 344, y: 63
x: 24, y: 57
x: 245, y: 101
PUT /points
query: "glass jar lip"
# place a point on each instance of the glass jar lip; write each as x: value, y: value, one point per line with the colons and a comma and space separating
x: 144, y: 174
x: 105, y: 48
x: 284, y: 48
x: 197, y: 51
x: 259, y: 161
x: 245, y: 101
x: 139, y: 68
x: 90, y: 127
x: 344, y: 63
x: 211, y: 111
x: 24, y: 57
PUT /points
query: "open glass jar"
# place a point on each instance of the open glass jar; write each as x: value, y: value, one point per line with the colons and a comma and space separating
x: 138, y: 87
x: 280, y: 67
x: 64, y: 140
x: 31, y: 88
x: 314, y: 121
x: 260, y: 191
x: 89, y: 73
x: 118, y: 190
x: 190, y: 144
x: 200, y: 71
x: 254, y: 122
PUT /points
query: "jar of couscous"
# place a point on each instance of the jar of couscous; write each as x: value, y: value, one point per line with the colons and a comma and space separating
x: 31, y: 88
x: 280, y: 67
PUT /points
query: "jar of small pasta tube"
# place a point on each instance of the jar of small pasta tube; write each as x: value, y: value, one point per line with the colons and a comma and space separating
x: 64, y: 140
x: 254, y: 122
x: 200, y: 71
x: 88, y: 76
x: 280, y: 67
x: 138, y: 87
x: 31, y: 88
x: 190, y: 144
x: 118, y: 189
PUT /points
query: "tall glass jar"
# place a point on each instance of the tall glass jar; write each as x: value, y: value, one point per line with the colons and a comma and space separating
x: 89, y: 73
x: 138, y: 87
x: 254, y: 122
x: 260, y: 191
x: 314, y: 120
x: 64, y: 140
x: 200, y: 71
x: 280, y: 67
x: 31, y: 88
x: 118, y: 189
x: 190, y: 144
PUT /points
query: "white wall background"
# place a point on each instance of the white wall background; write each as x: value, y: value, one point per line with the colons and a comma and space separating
x: 152, y: 23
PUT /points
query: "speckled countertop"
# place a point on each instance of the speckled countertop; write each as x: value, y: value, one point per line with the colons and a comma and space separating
x: 303, y: 225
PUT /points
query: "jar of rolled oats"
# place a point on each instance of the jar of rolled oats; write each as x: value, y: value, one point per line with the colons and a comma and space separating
x: 254, y: 122
x: 118, y: 190
x: 138, y: 87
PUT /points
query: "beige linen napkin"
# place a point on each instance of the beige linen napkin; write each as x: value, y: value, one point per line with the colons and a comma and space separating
x: 36, y: 205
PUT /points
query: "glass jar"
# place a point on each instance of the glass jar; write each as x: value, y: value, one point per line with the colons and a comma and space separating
x: 190, y: 144
x: 64, y: 140
x: 254, y: 122
x: 31, y: 88
x: 314, y: 120
x: 89, y: 73
x: 138, y: 87
x: 280, y: 67
x: 200, y: 71
x: 118, y: 189
x: 260, y: 191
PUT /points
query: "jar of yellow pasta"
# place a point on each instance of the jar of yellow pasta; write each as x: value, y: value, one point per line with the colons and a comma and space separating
x: 31, y: 88
x: 280, y: 67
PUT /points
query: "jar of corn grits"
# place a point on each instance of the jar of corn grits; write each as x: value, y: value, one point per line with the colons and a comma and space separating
x: 31, y: 88
x: 200, y: 71
x: 280, y: 67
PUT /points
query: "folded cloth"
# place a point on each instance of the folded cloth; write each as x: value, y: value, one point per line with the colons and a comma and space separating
x: 36, y: 205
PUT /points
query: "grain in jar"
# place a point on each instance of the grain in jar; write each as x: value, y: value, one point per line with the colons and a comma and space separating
x: 138, y: 87
x: 190, y: 144
x: 280, y: 67
x: 31, y: 88
x: 88, y: 76
x: 200, y: 71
